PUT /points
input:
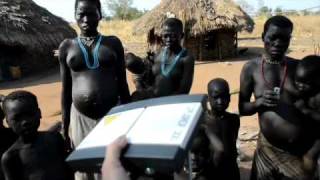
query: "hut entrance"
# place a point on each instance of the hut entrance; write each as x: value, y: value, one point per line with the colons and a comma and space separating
x: 214, y: 45
x: 9, y: 61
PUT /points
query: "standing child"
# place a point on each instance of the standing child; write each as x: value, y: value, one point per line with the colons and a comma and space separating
x: 222, y: 130
x: 7, y: 136
x: 308, y: 86
x: 35, y: 155
x: 201, y: 158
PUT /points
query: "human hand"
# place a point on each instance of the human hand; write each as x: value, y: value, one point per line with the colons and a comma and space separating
x: 269, y: 98
x: 112, y: 168
x: 67, y: 144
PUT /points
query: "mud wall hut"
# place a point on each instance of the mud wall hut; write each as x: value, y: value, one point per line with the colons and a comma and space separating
x: 211, y: 26
x: 29, y: 34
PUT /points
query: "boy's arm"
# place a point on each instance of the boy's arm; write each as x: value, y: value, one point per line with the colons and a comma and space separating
x: 216, y: 144
x: 187, y: 76
x: 10, y: 167
x: 121, y: 71
x: 60, y: 144
x: 66, y: 93
x: 236, y: 121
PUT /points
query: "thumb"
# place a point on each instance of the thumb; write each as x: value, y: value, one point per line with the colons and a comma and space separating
x: 115, y: 148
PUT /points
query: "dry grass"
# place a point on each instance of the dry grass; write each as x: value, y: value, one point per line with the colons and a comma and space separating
x: 304, y: 27
x: 119, y: 28
x: 306, y: 33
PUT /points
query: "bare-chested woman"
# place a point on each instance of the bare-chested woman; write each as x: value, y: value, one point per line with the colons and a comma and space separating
x: 284, y: 137
x: 92, y: 71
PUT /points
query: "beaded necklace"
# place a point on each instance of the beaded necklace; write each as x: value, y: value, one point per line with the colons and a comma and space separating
x: 283, y: 80
x: 95, y: 63
x: 165, y: 56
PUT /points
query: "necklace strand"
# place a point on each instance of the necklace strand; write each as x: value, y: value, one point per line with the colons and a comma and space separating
x: 166, y: 71
x: 283, y: 79
x: 96, y: 62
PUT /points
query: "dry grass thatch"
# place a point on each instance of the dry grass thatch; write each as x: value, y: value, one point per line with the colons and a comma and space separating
x: 31, y: 28
x: 198, y: 16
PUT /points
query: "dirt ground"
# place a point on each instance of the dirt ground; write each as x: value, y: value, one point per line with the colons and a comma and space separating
x: 47, y: 87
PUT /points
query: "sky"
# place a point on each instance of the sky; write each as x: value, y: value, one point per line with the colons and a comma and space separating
x: 65, y: 8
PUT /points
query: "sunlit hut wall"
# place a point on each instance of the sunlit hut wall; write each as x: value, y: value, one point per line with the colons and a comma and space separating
x: 29, y: 34
x: 211, y: 26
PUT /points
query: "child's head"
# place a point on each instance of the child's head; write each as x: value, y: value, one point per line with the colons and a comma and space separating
x: 200, y: 150
x: 219, y: 94
x: 134, y: 64
x: 306, y: 76
x: 172, y: 32
x: 22, y: 112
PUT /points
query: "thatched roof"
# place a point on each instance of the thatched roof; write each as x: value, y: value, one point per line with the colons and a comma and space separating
x: 198, y: 16
x: 26, y: 25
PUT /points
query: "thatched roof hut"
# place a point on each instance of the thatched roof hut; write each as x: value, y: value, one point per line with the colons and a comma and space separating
x: 211, y: 26
x: 29, y: 34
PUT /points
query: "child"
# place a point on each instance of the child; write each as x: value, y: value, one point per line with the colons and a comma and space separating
x: 201, y: 158
x: 308, y: 86
x: 222, y: 130
x: 8, y: 137
x: 143, y: 77
x: 35, y: 155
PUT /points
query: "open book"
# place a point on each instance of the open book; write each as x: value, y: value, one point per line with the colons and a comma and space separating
x: 159, y: 132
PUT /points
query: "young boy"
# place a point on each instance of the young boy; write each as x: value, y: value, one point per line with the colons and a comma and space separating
x: 35, y: 155
x: 201, y: 158
x: 173, y: 66
x: 308, y: 86
x: 222, y: 130
x: 7, y: 136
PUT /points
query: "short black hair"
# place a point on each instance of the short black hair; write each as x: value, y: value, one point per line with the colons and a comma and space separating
x: 21, y: 95
x: 312, y: 64
x: 96, y: 2
x: 218, y: 81
x: 279, y: 21
x: 134, y: 64
x: 174, y: 22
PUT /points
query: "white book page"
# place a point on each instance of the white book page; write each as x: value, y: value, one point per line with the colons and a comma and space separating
x: 110, y: 128
x: 165, y: 124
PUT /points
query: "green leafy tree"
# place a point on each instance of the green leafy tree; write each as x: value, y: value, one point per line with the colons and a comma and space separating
x: 265, y: 11
x: 122, y: 9
x: 278, y: 11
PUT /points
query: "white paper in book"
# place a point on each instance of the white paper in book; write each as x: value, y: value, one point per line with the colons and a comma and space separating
x: 168, y: 124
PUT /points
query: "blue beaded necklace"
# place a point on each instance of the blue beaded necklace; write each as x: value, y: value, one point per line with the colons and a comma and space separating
x: 96, y: 63
x: 165, y: 56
